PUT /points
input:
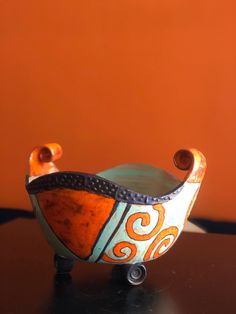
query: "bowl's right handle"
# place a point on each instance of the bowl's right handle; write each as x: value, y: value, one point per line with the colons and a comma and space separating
x: 193, y: 161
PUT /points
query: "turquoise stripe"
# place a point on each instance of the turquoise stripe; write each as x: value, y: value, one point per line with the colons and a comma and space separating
x: 51, y: 237
x: 107, y: 232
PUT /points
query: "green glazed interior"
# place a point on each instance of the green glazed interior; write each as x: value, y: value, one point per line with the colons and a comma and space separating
x: 142, y: 178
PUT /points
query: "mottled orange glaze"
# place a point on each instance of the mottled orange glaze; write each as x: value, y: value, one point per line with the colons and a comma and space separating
x: 160, y: 241
x: 76, y: 217
x: 42, y: 159
x: 117, y: 251
x: 145, y: 221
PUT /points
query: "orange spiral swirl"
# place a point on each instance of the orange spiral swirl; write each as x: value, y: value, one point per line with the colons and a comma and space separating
x: 145, y: 221
x: 117, y: 251
x: 163, y: 239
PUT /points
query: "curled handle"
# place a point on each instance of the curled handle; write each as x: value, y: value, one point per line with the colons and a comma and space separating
x: 193, y: 161
x: 42, y: 159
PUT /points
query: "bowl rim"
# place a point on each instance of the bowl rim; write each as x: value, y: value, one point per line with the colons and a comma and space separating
x: 75, y: 180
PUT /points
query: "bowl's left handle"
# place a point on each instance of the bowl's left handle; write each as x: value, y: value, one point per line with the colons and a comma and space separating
x: 42, y: 159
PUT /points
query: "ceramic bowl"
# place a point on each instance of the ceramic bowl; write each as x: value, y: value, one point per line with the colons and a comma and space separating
x: 129, y: 214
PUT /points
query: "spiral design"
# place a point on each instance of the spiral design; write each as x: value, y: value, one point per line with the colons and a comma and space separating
x: 145, y: 221
x: 42, y: 159
x: 118, y: 252
x: 183, y: 159
x: 193, y: 161
x: 163, y: 242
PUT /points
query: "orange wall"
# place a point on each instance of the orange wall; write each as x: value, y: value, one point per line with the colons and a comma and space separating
x: 119, y: 81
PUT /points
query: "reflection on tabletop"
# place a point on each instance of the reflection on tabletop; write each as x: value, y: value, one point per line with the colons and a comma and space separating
x: 108, y: 297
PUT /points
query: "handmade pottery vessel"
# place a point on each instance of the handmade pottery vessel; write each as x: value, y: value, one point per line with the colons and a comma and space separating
x: 127, y: 215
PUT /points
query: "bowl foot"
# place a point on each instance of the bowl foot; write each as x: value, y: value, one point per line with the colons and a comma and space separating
x: 63, y: 265
x: 131, y: 274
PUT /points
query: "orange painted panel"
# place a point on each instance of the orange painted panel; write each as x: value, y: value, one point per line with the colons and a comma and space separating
x: 76, y: 217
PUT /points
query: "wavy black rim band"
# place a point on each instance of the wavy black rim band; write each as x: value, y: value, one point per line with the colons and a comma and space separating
x: 96, y: 184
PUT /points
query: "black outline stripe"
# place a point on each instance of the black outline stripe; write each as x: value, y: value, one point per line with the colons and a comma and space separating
x: 103, y: 227
x: 127, y: 208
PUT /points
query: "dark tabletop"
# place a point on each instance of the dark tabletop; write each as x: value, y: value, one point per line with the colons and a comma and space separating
x: 198, y: 275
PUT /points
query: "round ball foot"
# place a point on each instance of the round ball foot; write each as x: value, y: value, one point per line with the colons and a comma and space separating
x: 130, y: 274
x: 63, y: 265
x: 136, y: 274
